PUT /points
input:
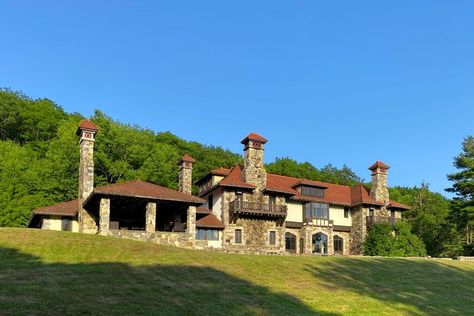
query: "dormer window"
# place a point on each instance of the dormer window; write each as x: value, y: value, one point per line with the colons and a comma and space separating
x: 312, y: 191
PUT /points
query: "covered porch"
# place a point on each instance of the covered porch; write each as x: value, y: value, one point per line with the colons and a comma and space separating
x: 142, y: 207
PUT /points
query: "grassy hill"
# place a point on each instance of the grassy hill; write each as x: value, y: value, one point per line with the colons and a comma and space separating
x: 59, y: 273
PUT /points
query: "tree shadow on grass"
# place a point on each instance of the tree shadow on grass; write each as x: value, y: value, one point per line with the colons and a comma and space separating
x: 411, y: 286
x: 31, y: 287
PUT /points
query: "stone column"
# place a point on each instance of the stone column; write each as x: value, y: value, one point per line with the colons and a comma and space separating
x: 254, y: 168
x: 151, y: 217
x: 104, y: 216
x: 191, y: 221
x: 86, y: 132
x: 185, y: 181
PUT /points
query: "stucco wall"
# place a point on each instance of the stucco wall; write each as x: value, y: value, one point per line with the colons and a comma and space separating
x: 55, y: 223
x: 337, y: 215
x: 295, y: 212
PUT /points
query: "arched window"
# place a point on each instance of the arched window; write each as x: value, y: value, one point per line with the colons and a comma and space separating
x: 290, y: 242
x: 320, y: 244
x: 338, y: 245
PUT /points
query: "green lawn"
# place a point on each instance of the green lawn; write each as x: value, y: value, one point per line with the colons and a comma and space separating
x: 58, y: 273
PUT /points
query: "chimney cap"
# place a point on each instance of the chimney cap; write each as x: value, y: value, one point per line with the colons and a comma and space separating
x: 187, y: 158
x: 379, y: 164
x: 87, y: 126
x: 255, y: 137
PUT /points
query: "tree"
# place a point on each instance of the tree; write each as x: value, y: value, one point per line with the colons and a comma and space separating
x: 393, y: 241
x: 427, y: 216
x: 463, y: 187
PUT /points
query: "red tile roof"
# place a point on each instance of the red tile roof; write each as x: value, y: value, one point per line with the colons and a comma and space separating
x: 378, y: 164
x: 220, y: 172
x: 394, y: 204
x: 88, y: 125
x: 70, y: 208
x: 203, y: 210
x: 254, y: 136
x: 188, y: 158
x: 360, y: 194
x: 209, y: 221
x: 334, y: 193
x: 234, y: 179
x: 147, y: 190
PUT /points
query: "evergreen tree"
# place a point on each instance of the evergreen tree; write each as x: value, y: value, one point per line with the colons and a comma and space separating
x: 463, y: 186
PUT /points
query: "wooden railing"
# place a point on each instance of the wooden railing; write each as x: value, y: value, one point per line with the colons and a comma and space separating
x: 323, y: 222
x: 256, y: 208
x: 372, y: 220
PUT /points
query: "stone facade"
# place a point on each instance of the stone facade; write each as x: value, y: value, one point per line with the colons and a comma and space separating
x: 150, y: 220
x: 379, y: 189
x: 87, y: 223
x: 254, y: 169
x: 191, y: 221
x: 104, y: 219
x: 185, y: 181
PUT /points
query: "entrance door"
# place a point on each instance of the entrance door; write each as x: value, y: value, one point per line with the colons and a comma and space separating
x: 320, y: 244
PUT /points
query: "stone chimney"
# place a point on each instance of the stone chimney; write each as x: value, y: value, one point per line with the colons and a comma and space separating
x: 379, y: 189
x: 254, y: 169
x: 86, y: 132
x: 185, y: 182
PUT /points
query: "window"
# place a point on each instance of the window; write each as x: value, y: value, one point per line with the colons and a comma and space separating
x: 210, y: 201
x: 346, y: 213
x: 316, y: 210
x: 272, y: 200
x: 338, y: 244
x: 65, y: 224
x: 371, y: 212
x: 272, y: 238
x: 311, y: 191
x: 238, y: 236
x: 207, y: 234
x: 290, y: 242
x: 392, y: 213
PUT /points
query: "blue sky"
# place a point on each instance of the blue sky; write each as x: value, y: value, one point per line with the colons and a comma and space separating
x: 341, y: 82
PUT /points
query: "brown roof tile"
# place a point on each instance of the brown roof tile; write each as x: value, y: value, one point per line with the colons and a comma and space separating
x: 148, y: 190
x: 209, y: 221
x: 188, y: 158
x: 70, y: 208
x: 254, y: 136
x: 360, y: 195
x: 394, y: 204
x: 234, y: 179
x: 379, y: 164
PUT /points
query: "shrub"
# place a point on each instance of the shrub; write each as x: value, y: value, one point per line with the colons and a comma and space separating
x: 393, y: 241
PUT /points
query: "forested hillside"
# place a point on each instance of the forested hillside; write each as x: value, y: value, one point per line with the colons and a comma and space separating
x: 39, y: 160
x: 39, y: 156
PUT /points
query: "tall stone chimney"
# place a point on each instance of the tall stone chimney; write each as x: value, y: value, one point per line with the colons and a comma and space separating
x: 379, y: 189
x: 254, y: 169
x: 86, y: 132
x: 185, y: 181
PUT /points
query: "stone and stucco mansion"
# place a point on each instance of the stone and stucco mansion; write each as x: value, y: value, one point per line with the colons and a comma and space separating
x: 243, y: 209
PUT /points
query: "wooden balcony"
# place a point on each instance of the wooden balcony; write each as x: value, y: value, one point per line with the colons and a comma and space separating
x: 372, y: 220
x: 257, y: 209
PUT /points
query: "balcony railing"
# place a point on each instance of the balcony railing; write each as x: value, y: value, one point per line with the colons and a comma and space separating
x: 255, y: 208
x: 372, y: 220
x: 322, y: 222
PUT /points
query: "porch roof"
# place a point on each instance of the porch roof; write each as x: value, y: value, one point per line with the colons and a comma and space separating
x: 146, y: 190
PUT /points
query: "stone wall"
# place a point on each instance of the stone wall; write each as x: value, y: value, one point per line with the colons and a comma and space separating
x: 254, y: 169
x: 182, y: 240
x: 359, y: 229
x: 379, y: 189
x: 87, y: 222
x: 185, y: 181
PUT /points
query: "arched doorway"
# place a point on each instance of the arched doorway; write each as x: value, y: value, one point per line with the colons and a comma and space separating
x: 320, y: 244
x: 290, y: 242
x: 338, y: 245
